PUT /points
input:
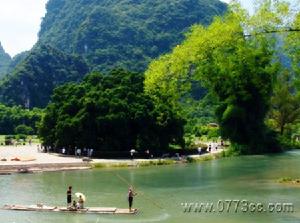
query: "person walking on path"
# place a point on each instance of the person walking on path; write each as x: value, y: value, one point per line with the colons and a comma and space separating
x: 199, y: 150
x: 131, y: 194
x: 69, y: 197
x: 209, y: 148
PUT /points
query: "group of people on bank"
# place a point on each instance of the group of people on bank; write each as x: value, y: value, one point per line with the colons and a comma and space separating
x: 88, y: 152
x: 77, y: 205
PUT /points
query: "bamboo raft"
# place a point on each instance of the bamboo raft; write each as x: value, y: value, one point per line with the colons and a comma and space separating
x: 90, y: 210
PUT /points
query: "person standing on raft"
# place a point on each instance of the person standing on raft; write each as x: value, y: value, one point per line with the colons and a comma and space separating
x: 131, y: 194
x: 69, y: 197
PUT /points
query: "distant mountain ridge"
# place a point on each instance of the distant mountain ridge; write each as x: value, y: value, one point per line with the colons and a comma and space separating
x: 32, y: 82
x: 122, y: 33
x: 5, y: 60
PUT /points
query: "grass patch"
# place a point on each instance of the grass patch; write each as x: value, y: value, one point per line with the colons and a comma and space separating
x: 98, y: 165
x: 200, y: 159
x: 289, y: 180
x: 136, y: 164
x: 2, y: 138
x: 161, y: 162
x: 208, y: 157
x: 34, y: 139
x: 109, y: 165
x: 156, y: 162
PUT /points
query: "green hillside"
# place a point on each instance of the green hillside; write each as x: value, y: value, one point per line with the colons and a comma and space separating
x: 16, y: 60
x: 5, y: 60
x: 122, y: 33
x: 33, y: 80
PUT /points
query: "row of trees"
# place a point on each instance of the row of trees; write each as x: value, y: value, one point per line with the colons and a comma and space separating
x: 109, y: 113
x: 16, y: 120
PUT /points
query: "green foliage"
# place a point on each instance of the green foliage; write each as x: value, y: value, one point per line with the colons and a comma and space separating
x: 285, y: 103
x: 207, y: 157
x: 160, y: 162
x: 33, y: 80
x: 16, y: 60
x: 109, y: 112
x: 292, y: 47
x: 195, y: 146
x: 24, y: 129
x: 285, y: 113
x: 198, y: 112
x: 122, y: 33
x: 287, y: 142
x: 21, y: 137
x: 209, y: 131
x: 239, y: 70
x: 5, y: 60
x: 11, y: 117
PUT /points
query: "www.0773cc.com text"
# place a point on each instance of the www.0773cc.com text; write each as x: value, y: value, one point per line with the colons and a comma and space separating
x: 237, y: 206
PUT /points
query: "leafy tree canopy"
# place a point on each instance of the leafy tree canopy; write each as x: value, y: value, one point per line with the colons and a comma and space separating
x: 285, y: 103
x: 234, y: 58
x: 12, y: 117
x: 109, y: 112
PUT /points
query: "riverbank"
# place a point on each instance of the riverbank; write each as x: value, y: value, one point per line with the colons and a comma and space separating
x: 27, y: 159
x: 22, y: 159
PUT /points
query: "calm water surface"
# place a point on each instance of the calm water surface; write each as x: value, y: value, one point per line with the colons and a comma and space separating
x: 164, y: 189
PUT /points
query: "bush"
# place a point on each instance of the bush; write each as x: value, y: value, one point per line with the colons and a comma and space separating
x: 195, y: 146
x: 24, y: 129
x: 287, y: 144
x: 189, y: 140
x: 21, y: 137
x: 210, y: 131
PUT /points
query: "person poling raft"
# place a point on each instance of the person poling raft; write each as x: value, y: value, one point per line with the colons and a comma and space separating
x: 69, y: 196
x: 131, y: 194
x: 130, y: 198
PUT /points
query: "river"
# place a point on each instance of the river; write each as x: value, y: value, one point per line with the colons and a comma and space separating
x: 162, y: 190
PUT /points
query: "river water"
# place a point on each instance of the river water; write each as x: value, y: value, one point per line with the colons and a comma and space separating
x: 162, y: 190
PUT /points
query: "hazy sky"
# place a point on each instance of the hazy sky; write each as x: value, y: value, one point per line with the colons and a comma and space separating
x: 246, y: 3
x: 20, y: 22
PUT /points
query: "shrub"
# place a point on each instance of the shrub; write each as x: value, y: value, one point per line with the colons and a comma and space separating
x: 24, y: 129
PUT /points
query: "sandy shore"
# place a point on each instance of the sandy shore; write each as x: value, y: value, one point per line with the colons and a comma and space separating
x: 32, y: 160
x: 30, y: 155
